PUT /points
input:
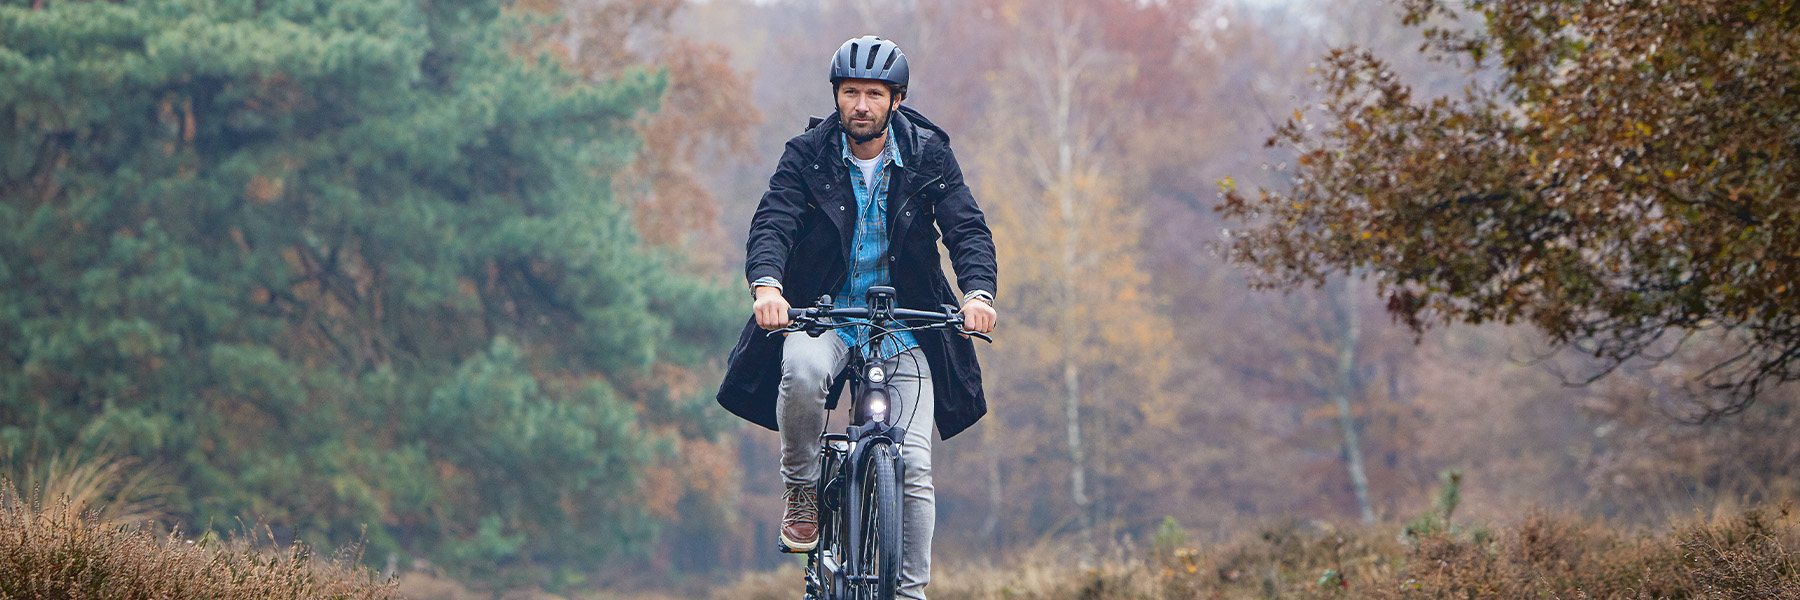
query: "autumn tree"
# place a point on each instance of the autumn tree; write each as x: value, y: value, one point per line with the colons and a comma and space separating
x: 1616, y: 175
x: 1083, y: 328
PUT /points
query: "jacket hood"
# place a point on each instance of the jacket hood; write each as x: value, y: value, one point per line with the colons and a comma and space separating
x: 920, y: 122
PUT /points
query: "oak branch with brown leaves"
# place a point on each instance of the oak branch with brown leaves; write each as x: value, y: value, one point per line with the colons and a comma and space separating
x: 1619, y: 174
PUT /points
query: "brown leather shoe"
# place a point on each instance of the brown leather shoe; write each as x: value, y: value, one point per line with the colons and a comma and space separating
x: 800, y: 525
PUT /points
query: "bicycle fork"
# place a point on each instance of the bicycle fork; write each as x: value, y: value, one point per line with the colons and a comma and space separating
x: 843, y: 462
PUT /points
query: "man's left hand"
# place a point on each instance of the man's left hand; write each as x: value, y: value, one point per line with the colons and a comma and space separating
x: 978, y: 316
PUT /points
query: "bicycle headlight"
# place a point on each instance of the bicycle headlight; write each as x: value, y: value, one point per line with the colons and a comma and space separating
x: 876, y: 375
x: 877, y: 404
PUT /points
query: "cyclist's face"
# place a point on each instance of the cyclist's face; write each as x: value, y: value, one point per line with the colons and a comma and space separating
x: 864, y: 106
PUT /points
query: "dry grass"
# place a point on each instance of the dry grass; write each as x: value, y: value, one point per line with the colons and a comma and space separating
x: 59, y: 551
x: 422, y: 585
x: 1751, y: 555
x: 109, y: 489
x: 785, y: 583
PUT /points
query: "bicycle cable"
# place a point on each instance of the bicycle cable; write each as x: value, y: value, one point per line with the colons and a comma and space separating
x: 880, y: 334
x: 912, y: 408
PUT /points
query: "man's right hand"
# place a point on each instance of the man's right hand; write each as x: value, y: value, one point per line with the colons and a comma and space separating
x: 771, y: 309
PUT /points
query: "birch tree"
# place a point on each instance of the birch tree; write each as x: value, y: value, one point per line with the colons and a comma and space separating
x: 1080, y: 316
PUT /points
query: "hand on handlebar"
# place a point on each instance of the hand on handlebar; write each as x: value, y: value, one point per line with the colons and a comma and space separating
x: 978, y: 316
x: 771, y: 309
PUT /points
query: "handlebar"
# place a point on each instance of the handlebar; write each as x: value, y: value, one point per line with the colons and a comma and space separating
x: 795, y: 314
x: 807, y: 319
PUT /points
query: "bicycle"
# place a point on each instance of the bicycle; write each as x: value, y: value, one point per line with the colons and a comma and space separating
x: 858, y: 554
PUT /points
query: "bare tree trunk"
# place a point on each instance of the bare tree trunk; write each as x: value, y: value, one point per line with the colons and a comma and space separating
x: 1099, y: 452
x: 1344, y: 387
x: 990, y: 527
x: 1060, y: 82
x: 1058, y: 166
x: 1077, y: 457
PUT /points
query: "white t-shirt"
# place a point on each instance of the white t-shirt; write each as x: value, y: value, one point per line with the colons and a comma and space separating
x: 868, y: 168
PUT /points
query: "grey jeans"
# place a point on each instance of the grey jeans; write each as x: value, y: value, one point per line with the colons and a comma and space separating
x: 807, y: 366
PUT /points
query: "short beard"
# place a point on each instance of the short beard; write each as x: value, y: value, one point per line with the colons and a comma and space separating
x: 875, y: 132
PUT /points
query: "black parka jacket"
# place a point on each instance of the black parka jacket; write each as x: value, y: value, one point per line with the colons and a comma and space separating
x: 801, y: 237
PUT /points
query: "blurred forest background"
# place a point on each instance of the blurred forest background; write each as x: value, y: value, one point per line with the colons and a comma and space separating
x: 456, y: 279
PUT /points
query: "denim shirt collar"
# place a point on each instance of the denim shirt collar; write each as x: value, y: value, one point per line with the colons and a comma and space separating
x: 892, y: 151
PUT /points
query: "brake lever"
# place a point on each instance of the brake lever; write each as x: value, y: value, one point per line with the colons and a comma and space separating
x: 957, y: 325
x: 795, y: 325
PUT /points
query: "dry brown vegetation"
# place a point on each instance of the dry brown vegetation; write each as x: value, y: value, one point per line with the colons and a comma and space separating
x: 58, y: 550
x: 1752, y: 554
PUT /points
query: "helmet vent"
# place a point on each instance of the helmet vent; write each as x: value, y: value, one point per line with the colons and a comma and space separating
x: 873, y: 50
x: 853, y: 48
x: 892, y: 56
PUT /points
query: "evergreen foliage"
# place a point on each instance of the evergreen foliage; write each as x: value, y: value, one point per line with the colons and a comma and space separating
x: 341, y: 264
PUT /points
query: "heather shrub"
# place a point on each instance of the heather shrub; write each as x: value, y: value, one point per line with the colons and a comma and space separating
x: 1751, y: 555
x: 1754, y: 556
x: 58, y: 551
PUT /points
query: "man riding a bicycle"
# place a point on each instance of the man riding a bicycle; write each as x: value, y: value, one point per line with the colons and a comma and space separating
x: 860, y: 200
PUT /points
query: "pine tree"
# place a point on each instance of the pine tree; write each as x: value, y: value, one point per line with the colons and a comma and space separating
x: 336, y: 265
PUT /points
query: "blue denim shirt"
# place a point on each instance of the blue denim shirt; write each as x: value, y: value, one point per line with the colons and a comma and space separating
x: 868, y: 248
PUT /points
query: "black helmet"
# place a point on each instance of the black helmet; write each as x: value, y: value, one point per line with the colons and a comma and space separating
x: 869, y: 57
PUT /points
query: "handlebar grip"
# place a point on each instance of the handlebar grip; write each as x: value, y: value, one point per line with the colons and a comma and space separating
x: 795, y: 313
x: 907, y: 313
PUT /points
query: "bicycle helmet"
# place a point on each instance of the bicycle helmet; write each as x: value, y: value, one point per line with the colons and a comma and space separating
x: 869, y: 57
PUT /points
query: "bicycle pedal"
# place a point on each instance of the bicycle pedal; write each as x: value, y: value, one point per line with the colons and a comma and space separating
x: 783, y: 547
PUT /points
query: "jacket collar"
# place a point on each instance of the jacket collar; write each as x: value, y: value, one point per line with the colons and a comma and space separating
x: 904, y: 131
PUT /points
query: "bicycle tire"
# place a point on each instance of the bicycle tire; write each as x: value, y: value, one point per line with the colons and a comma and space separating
x: 879, y: 553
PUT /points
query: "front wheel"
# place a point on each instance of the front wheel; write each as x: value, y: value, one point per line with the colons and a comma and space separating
x: 879, y: 550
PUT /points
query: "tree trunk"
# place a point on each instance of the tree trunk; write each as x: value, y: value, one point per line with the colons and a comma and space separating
x: 990, y: 527
x: 1344, y: 387
x: 1062, y: 180
x: 1077, y: 457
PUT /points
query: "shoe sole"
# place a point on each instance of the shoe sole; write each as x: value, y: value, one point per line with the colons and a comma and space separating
x: 793, y: 547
